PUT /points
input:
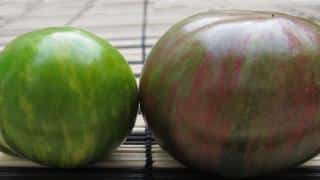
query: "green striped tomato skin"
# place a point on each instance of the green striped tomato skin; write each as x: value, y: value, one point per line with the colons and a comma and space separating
x: 67, y: 97
x: 236, y: 93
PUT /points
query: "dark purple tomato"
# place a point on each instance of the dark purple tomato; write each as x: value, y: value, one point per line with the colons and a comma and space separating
x: 236, y: 93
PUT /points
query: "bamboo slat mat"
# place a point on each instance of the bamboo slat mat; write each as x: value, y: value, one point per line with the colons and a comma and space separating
x: 132, y: 26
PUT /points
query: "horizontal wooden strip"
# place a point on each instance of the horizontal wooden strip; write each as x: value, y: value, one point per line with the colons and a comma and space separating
x: 129, y: 10
x: 133, y: 54
x: 54, y: 12
x: 130, y: 148
x: 124, y: 32
x: 311, y: 163
x: 10, y: 12
x: 12, y: 4
x: 140, y: 121
x: 138, y: 81
x: 110, y: 31
x: 163, y: 159
x: 49, y: 10
x: 123, y: 157
x: 116, y: 156
x: 125, y: 43
x: 158, y: 30
x: 136, y: 68
x: 151, y: 41
x: 165, y: 15
x: 138, y: 129
x: 124, y: 164
x: 100, y: 19
x: 167, y: 164
x: 192, y: 5
x: 317, y: 158
x: 98, y: 11
x: 119, y: 2
x: 32, y: 23
x: 126, y: 156
x: 309, y: 11
x: 139, y: 126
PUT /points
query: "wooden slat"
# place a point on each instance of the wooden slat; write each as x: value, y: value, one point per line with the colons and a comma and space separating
x: 131, y: 54
x: 117, y: 21
x: 136, y: 68
x: 32, y: 23
x: 163, y: 160
x: 164, y: 14
x: 126, y: 156
x: 138, y: 81
x: 120, y: 21
x: 112, y: 33
x: 120, y: 3
x: 140, y: 121
x: 139, y: 125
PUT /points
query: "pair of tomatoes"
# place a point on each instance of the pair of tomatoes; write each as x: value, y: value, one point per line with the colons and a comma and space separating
x: 235, y: 93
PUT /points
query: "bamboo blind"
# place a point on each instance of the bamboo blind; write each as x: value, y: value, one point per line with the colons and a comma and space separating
x: 132, y: 26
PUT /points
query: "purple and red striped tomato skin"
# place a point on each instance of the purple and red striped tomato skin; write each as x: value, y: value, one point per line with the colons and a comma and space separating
x: 236, y: 93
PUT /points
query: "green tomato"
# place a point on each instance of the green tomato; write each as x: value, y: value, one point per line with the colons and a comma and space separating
x: 67, y: 97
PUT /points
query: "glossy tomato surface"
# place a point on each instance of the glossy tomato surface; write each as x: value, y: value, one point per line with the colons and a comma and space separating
x: 235, y: 92
x: 67, y: 97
